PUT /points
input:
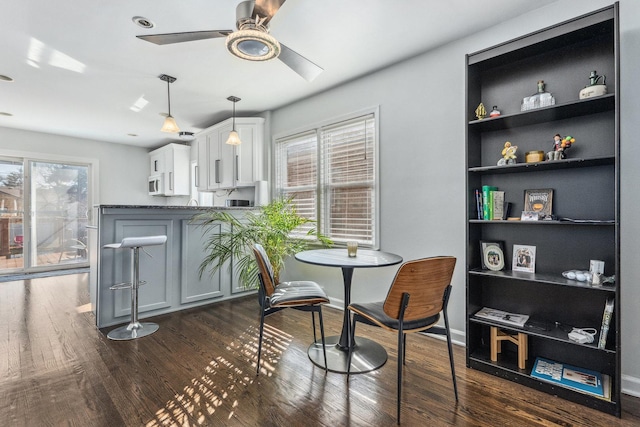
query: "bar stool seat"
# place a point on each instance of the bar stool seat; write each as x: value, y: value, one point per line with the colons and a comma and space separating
x: 134, y: 329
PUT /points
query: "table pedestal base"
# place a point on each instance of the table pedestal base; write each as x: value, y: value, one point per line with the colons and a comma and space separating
x: 367, y: 355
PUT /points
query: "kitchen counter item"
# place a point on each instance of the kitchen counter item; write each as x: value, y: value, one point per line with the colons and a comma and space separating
x: 236, y: 202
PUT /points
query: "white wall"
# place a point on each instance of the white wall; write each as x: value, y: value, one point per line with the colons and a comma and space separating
x: 422, y: 116
x: 122, y: 169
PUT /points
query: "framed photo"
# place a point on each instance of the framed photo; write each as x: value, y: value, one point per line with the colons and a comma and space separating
x: 492, y: 255
x: 524, y: 258
x: 540, y: 201
x: 529, y: 216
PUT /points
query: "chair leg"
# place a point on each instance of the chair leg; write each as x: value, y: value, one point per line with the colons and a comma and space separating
x: 453, y: 369
x: 260, y: 338
x: 313, y: 323
x: 401, y: 352
x: 324, y: 347
x: 404, y: 350
x: 352, y: 344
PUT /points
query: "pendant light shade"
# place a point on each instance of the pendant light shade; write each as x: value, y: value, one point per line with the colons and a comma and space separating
x: 234, y: 138
x: 170, y: 124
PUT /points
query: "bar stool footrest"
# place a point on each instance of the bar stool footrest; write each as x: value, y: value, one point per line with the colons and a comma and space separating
x: 126, y: 285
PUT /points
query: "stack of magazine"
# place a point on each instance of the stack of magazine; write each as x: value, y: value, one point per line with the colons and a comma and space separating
x: 579, y: 379
x: 499, y: 316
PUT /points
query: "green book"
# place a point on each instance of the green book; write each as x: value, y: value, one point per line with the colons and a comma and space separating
x: 487, y: 212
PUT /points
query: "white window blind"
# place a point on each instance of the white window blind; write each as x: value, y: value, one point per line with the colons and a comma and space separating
x: 331, y: 172
x: 348, y: 180
x: 297, y: 174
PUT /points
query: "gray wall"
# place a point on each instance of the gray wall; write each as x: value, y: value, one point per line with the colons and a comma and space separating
x: 422, y: 116
x: 122, y: 169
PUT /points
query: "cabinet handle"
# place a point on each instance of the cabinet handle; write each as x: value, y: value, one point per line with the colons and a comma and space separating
x: 170, y: 180
x: 218, y: 171
x: 237, y: 172
x: 196, y: 178
x: 155, y: 166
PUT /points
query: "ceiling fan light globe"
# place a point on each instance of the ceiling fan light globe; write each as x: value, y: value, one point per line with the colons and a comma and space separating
x: 234, y: 138
x: 170, y: 125
x: 253, y: 45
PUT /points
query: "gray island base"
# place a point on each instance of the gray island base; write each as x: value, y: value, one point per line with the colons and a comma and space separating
x: 170, y: 272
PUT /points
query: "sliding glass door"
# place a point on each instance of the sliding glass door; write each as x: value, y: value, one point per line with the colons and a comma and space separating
x: 52, y: 234
x: 11, y: 214
x: 59, y: 213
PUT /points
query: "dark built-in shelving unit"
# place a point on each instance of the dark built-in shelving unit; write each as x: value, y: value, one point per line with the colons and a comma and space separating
x: 586, y: 188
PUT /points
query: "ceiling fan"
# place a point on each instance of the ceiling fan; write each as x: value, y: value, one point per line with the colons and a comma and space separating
x: 251, y: 40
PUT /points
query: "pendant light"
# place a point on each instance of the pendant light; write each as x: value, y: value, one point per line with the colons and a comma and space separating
x: 234, y: 138
x: 170, y: 124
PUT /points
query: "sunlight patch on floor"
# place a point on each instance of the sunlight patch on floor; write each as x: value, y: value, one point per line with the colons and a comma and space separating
x: 204, y: 395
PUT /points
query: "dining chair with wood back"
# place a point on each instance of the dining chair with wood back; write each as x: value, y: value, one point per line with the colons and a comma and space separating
x: 299, y: 294
x: 418, y: 294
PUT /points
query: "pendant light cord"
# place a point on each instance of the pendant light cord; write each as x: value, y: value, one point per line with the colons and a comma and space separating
x: 233, y: 125
x: 169, y: 97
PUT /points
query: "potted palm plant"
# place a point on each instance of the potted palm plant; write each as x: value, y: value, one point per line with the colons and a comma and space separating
x: 271, y: 227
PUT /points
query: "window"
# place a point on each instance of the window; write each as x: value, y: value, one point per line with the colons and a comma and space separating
x: 331, y: 173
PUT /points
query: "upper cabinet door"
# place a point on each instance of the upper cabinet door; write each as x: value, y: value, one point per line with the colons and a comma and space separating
x: 224, y: 166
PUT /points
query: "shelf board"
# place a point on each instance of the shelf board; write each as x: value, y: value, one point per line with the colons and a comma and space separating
x: 546, y: 165
x: 552, y: 279
x: 589, y: 223
x: 576, y: 108
x: 554, y: 332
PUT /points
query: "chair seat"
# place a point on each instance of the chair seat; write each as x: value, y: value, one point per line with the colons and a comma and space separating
x: 299, y: 292
x: 137, y: 242
x: 374, y: 312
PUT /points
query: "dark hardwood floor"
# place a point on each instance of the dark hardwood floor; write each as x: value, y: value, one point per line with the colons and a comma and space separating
x: 57, y: 369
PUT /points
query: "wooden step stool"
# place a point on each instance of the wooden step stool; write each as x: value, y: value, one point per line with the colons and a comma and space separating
x: 519, y: 339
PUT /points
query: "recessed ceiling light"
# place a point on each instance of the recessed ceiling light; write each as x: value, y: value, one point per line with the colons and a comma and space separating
x: 143, y: 22
x: 5, y: 78
x: 2, y: 113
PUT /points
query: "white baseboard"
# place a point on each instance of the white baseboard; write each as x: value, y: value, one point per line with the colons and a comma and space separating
x: 631, y: 385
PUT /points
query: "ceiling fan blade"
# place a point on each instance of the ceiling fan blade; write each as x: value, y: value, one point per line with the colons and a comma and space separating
x: 266, y: 9
x: 190, y: 36
x: 298, y: 63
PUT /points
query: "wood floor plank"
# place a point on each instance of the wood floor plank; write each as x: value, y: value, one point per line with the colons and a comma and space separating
x: 57, y: 369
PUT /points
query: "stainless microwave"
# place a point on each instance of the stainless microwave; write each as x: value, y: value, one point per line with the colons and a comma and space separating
x: 156, y: 185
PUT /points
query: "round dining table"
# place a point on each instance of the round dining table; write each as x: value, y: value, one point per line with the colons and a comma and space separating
x: 368, y: 355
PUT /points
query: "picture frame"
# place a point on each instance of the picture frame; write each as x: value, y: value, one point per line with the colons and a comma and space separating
x: 529, y: 216
x: 492, y: 255
x: 524, y: 258
x: 540, y: 201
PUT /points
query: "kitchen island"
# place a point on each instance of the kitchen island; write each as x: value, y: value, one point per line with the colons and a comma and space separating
x: 171, y: 270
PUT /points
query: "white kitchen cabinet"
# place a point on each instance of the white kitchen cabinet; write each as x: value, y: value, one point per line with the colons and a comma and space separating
x: 223, y: 166
x: 171, y: 163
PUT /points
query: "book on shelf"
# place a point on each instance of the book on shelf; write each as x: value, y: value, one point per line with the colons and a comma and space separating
x: 499, y: 316
x: 486, y: 201
x: 606, y: 321
x: 497, y: 204
x: 479, y: 203
x: 575, y: 378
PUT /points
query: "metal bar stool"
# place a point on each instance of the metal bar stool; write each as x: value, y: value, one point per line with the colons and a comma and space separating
x: 134, y: 329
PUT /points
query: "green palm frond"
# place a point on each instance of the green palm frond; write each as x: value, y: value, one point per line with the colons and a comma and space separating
x: 229, y: 239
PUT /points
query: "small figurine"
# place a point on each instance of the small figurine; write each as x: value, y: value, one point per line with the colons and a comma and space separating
x: 481, y: 112
x: 560, y: 145
x: 596, y: 87
x: 494, y: 112
x: 508, y: 154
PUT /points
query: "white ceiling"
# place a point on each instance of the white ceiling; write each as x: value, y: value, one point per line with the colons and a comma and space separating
x: 78, y: 67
